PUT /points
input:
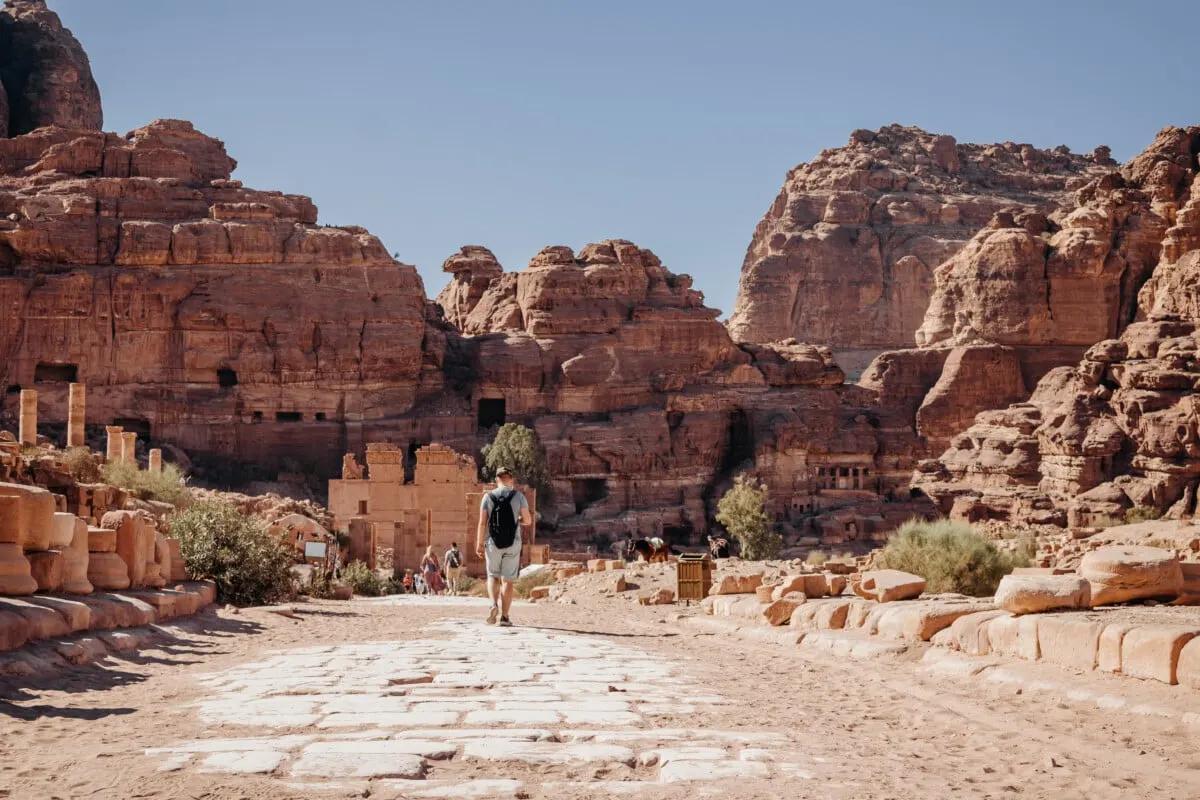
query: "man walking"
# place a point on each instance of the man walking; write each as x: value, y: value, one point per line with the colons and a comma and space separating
x: 498, y: 541
x: 452, y: 566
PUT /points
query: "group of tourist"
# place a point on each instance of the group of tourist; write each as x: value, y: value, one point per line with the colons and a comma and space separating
x: 436, y: 577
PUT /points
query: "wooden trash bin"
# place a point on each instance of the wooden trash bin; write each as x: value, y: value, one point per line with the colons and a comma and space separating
x: 693, y: 577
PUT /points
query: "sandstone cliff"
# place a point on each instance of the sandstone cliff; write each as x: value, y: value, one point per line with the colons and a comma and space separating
x: 646, y: 405
x: 1118, y: 430
x: 216, y: 316
x: 846, y: 254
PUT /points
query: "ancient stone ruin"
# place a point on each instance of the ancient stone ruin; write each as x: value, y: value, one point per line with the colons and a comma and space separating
x: 385, y: 510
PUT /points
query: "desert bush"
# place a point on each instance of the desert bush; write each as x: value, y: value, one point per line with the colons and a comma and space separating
x: 167, y: 486
x: 526, y: 583
x: 742, y: 510
x: 362, y: 579
x: 82, y: 464
x: 816, y: 558
x: 519, y: 449
x: 319, y: 585
x: 249, y: 566
x: 950, y: 556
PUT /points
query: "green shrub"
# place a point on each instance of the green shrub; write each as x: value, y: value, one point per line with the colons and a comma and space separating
x: 362, y: 579
x: 526, y: 583
x: 319, y: 585
x: 742, y: 510
x: 82, y: 464
x: 950, y: 556
x: 168, y: 486
x: 249, y: 566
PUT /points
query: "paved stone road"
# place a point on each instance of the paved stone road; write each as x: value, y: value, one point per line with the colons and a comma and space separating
x: 470, y: 710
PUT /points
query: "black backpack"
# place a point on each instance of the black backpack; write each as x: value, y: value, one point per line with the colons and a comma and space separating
x: 452, y: 560
x: 502, y: 523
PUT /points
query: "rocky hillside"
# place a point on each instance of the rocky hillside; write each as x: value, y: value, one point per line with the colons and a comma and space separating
x: 845, y: 256
x: 1119, y: 429
x: 646, y: 405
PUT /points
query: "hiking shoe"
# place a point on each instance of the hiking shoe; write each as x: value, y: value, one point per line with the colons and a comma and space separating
x: 495, y: 612
x: 505, y: 622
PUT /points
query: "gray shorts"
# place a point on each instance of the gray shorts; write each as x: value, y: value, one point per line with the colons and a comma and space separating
x: 503, y: 562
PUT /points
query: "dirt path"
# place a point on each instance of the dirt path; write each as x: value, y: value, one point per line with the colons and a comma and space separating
x: 386, y: 699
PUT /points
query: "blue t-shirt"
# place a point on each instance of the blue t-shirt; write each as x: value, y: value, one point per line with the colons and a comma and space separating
x: 518, y: 502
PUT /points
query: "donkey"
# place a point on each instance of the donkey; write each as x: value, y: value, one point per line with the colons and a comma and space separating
x: 653, y: 550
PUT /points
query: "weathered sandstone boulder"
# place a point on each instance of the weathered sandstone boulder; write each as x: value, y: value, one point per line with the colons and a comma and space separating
x: 886, y: 585
x: 779, y: 612
x: 1120, y: 574
x: 1153, y: 652
x: 1031, y: 594
x: 737, y: 584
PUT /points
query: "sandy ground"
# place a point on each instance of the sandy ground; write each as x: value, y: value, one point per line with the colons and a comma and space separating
x: 824, y: 728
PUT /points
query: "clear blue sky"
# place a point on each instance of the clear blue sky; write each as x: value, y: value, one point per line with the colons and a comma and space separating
x: 519, y: 124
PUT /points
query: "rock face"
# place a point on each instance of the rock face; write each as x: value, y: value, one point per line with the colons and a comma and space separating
x: 1119, y: 429
x: 46, y: 76
x: 845, y: 256
x: 213, y: 315
x: 645, y: 405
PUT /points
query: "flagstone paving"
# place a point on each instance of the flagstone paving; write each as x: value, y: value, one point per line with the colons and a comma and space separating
x: 470, y: 710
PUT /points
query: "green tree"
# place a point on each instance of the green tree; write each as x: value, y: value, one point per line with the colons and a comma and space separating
x: 742, y: 510
x: 519, y: 449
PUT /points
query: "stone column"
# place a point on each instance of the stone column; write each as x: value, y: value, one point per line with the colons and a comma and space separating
x: 155, y: 462
x: 28, y: 420
x: 129, y: 447
x: 112, y: 453
x: 76, y: 411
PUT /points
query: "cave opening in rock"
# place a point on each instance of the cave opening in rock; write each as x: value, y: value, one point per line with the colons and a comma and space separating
x: 319, y: 416
x: 288, y: 416
x: 491, y: 412
x: 55, y: 373
x: 586, y: 491
x: 739, y: 446
x: 227, y: 378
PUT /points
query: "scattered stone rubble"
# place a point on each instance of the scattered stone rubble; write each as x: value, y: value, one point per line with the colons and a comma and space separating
x: 1029, y: 618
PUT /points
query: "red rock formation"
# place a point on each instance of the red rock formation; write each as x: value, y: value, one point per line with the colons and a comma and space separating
x: 46, y: 77
x: 212, y: 314
x: 1119, y: 430
x: 647, y: 407
x: 845, y: 255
